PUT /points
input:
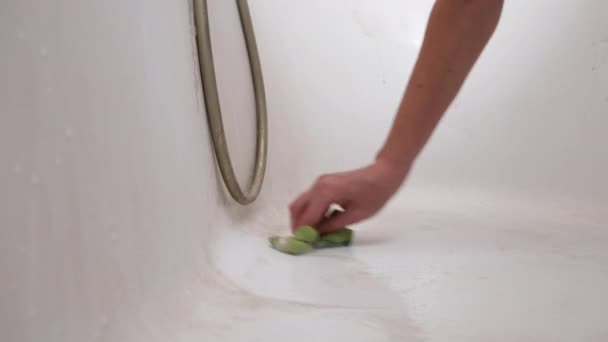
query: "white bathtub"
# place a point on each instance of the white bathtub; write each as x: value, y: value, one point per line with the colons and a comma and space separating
x: 115, y: 226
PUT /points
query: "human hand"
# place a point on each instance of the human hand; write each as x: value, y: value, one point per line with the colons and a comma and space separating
x: 362, y: 193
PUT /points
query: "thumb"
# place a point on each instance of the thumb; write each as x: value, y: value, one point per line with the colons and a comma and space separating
x: 313, y: 212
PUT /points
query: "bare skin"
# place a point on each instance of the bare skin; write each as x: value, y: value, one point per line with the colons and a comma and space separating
x: 456, y: 34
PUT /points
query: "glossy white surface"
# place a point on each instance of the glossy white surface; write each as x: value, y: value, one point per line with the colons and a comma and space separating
x: 114, y: 226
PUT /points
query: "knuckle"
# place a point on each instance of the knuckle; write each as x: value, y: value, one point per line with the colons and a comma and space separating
x: 323, y: 188
x: 323, y: 179
x: 325, y: 182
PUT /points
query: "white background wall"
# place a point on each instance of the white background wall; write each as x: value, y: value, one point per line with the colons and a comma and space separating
x: 531, y: 117
x: 109, y: 199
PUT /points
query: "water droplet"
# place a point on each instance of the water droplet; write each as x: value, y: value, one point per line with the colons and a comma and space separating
x: 20, y: 35
x: 49, y: 90
x: 103, y: 320
x: 114, y: 236
x: 17, y: 168
x: 68, y: 133
x: 44, y: 52
x: 34, y: 179
x: 58, y: 161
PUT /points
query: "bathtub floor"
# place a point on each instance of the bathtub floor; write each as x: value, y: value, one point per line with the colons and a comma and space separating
x: 472, y: 270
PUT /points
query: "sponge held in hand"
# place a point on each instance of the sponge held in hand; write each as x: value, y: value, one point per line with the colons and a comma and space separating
x: 306, y: 234
x: 307, y: 238
x: 290, y: 245
x: 339, y: 238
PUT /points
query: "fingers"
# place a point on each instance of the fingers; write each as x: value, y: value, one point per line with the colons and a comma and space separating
x: 314, y: 210
x: 340, y: 221
x: 298, y: 206
x: 310, y: 207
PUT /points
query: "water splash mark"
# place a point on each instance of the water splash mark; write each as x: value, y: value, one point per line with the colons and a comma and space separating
x: 68, y: 132
x: 363, y: 25
x: 34, y: 179
x: 104, y: 321
x: 114, y: 236
x: 44, y: 51
x: 17, y: 168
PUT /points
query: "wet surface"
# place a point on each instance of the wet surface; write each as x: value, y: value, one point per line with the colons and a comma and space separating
x: 440, y: 275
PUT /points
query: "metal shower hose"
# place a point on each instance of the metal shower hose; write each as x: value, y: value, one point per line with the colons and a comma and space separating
x: 214, y: 114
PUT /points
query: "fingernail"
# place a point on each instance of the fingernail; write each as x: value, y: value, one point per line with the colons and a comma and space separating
x: 333, y: 210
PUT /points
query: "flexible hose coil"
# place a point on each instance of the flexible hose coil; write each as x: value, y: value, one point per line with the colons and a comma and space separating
x: 212, y: 102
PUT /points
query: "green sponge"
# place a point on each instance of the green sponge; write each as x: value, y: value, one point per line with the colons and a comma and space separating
x: 339, y: 238
x: 306, y: 234
x: 290, y: 245
x: 307, y: 238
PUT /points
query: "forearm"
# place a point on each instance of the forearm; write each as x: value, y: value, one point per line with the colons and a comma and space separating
x: 456, y: 34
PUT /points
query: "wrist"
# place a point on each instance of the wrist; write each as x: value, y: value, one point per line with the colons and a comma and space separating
x: 400, y: 159
x: 398, y: 166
